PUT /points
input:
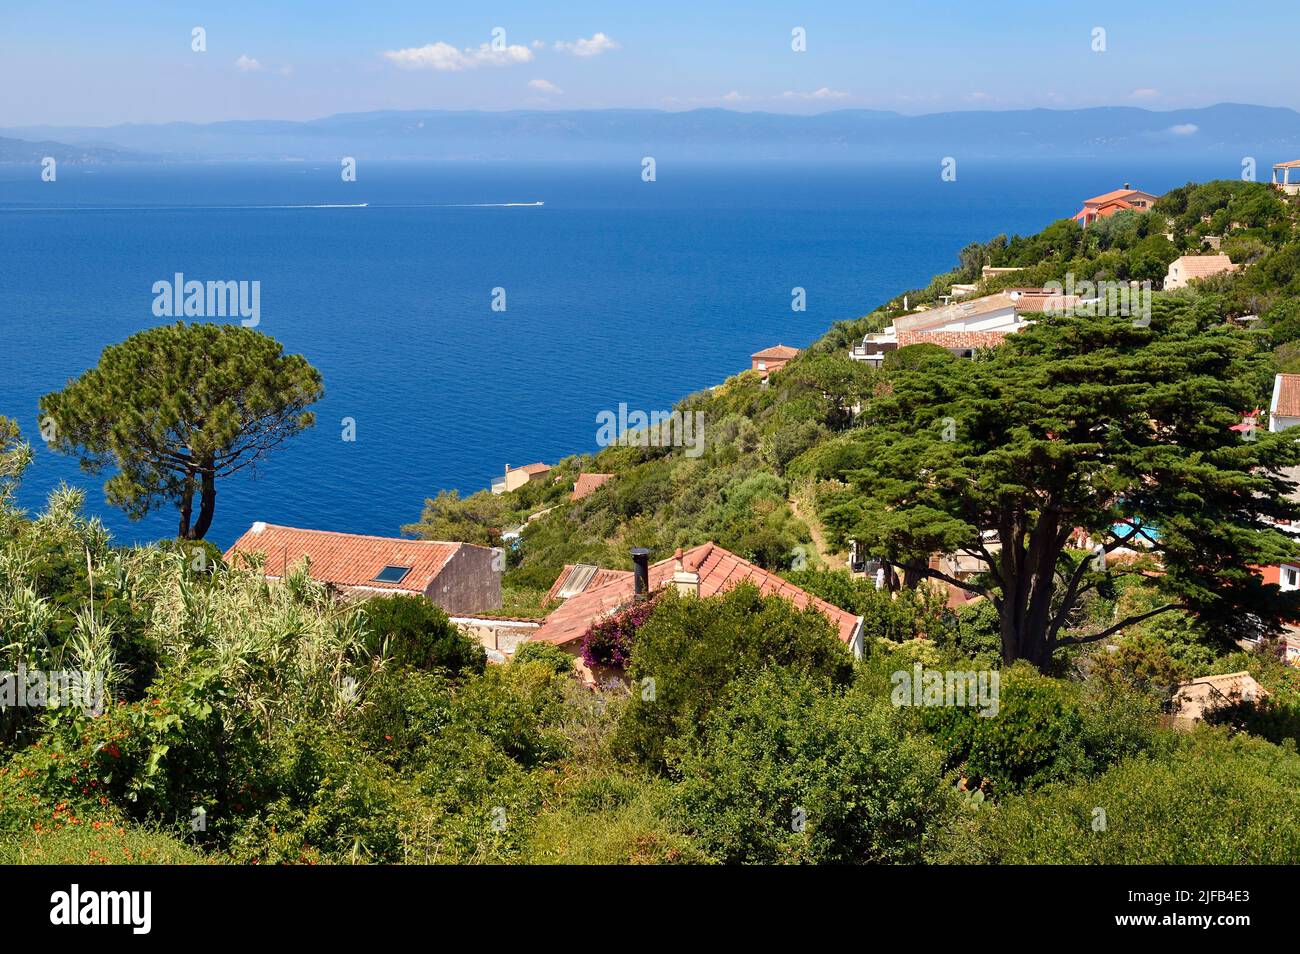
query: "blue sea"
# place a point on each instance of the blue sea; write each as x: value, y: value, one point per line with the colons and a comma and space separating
x: 616, y: 291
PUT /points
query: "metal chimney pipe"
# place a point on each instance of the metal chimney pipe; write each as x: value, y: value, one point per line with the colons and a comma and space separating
x: 641, y: 571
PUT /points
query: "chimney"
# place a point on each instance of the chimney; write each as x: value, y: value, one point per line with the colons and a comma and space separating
x: 687, y: 584
x: 641, y: 571
x: 1127, y: 186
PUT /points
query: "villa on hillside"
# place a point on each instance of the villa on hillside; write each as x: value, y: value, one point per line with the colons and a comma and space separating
x: 770, y: 360
x: 518, y: 476
x: 963, y: 326
x: 459, y: 577
x: 592, y: 593
x: 1286, y: 185
x: 1120, y: 200
x: 1187, y: 268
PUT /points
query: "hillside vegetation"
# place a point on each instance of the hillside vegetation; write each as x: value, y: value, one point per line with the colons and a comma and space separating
x: 253, y: 721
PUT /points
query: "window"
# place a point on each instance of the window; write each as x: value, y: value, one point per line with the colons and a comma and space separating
x: 1290, y: 578
x: 392, y: 574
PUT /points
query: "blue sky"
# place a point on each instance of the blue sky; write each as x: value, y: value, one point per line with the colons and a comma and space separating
x: 93, y: 63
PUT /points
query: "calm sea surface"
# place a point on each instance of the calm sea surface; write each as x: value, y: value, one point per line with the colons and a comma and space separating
x: 616, y: 290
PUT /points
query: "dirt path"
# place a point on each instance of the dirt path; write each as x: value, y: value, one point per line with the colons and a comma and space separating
x: 824, y: 553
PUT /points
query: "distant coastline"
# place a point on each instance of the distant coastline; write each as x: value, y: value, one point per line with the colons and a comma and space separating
x: 1224, y: 129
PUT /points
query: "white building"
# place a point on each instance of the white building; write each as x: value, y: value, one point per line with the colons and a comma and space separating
x: 1284, y: 409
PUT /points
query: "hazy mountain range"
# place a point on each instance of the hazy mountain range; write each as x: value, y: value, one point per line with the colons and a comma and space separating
x: 21, y: 150
x: 1224, y: 130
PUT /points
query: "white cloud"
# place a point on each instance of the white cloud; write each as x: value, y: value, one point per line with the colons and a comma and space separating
x: 446, y: 58
x: 246, y: 64
x: 823, y: 93
x: 599, y: 43
x: 1144, y: 92
x: 734, y: 97
x: 1184, y: 129
x: 545, y: 86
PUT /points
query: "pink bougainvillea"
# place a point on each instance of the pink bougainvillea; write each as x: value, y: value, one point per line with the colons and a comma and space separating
x: 609, y: 641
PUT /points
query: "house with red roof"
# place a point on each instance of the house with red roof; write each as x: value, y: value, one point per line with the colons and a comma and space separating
x: 773, y: 359
x: 1187, y: 268
x: 1107, y: 204
x: 591, y: 594
x: 587, y: 484
x: 459, y: 577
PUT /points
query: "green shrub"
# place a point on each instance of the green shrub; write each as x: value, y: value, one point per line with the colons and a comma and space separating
x: 159, y: 760
x: 548, y: 654
x: 411, y: 631
x: 1213, y: 800
x: 691, y: 649
x: 788, y: 772
x: 1035, y: 737
x: 899, y: 616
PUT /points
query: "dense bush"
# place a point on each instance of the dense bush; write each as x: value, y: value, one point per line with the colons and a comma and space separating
x: 786, y: 771
x: 898, y: 616
x: 1035, y: 736
x: 690, y: 650
x: 1214, y: 800
x: 548, y: 654
x: 411, y: 631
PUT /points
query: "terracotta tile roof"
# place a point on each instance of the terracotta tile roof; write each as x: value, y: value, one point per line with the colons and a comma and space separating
x: 719, y: 571
x: 1286, y: 396
x: 1199, y: 266
x: 532, y: 470
x: 346, y: 559
x: 1115, y: 194
x: 586, y: 483
x: 1103, y: 211
x: 1195, y: 699
x: 600, y: 577
x: 776, y: 352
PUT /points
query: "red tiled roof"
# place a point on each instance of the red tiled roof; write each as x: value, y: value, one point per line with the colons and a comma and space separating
x: 1201, y: 266
x: 346, y: 559
x: 1103, y: 211
x: 719, y: 570
x: 532, y: 470
x: 776, y: 352
x: 600, y: 578
x: 586, y: 483
x: 1288, y: 396
x: 1113, y: 195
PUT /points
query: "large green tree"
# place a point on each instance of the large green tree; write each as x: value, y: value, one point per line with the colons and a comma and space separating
x: 176, y: 408
x: 1091, y: 424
